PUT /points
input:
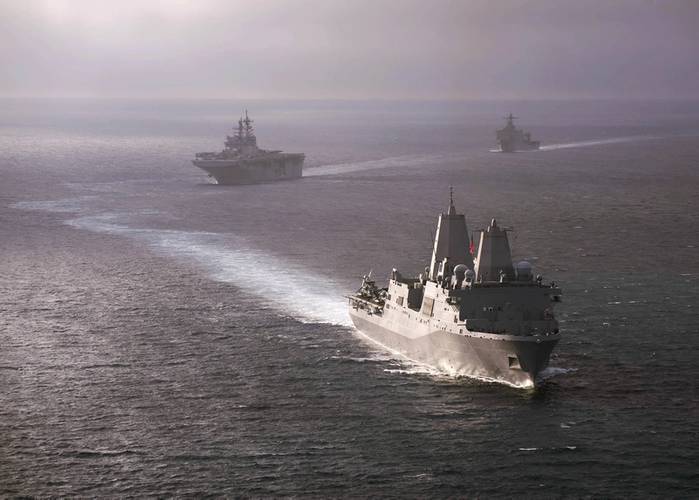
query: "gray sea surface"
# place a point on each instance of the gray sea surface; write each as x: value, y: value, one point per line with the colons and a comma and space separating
x: 164, y: 336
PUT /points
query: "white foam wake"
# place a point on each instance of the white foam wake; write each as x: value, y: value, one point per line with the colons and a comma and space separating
x: 598, y: 142
x: 554, y: 371
x: 65, y: 205
x: 408, y: 161
x: 283, y: 285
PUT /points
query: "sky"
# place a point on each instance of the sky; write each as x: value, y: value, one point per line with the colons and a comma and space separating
x: 350, y: 49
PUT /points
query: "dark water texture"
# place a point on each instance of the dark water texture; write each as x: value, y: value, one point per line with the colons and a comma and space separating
x: 162, y: 336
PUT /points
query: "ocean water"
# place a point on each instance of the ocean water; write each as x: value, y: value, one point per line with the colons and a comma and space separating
x: 163, y: 336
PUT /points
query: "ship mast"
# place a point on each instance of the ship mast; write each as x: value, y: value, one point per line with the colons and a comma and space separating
x: 239, y: 134
x: 235, y: 142
x: 450, y: 241
x: 249, y: 130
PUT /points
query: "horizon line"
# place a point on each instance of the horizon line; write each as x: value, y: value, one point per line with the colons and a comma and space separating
x: 349, y: 99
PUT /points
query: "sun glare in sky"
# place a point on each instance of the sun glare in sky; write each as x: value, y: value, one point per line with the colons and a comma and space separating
x: 361, y: 49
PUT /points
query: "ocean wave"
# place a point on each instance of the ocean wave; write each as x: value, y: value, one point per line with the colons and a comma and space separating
x: 87, y: 453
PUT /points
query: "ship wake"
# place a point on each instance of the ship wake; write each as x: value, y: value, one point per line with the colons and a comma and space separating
x: 287, y: 286
x: 599, y: 142
x: 408, y: 161
x: 284, y: 285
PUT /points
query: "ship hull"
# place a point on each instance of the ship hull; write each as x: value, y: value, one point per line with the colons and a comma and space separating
x: 509, y: 359
x: 285, y: 166
x: 520, y: 146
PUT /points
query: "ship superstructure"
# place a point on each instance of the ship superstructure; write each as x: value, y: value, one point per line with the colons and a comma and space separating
x: 243, y: 162
x: 472, y: 313
x: 511, y: 138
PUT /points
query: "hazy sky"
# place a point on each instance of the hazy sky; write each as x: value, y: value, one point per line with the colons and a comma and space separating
x: 434, y: 49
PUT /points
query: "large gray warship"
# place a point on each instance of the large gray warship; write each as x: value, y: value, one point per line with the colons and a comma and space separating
x: 242, y: 162
x: 511, y: 138
x: 482, y: 317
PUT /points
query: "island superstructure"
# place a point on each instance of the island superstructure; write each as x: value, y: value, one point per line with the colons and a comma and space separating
x: 511, y: 138
x: 481, y: 316
x: 242, y: 162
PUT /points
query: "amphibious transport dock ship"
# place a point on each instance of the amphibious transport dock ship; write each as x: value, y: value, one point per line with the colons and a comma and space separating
x: 242, y: 162
x: 511, y: 138
x: 479, y: 317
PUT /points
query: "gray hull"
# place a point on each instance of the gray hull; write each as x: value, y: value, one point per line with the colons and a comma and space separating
x: 514, y: 146
x: 509, y: 359
x: 278, y: 167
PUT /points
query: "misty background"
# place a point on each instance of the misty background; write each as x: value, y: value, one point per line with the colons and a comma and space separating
x: 320, y: 49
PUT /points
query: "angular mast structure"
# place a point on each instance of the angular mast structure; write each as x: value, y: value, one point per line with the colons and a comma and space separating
x: 451, y: 240
x: 494, y: 260
x: 249, y: 130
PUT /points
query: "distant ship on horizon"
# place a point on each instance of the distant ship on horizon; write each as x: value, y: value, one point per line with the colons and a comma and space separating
x: 512, y: 139
x: 242, y: 162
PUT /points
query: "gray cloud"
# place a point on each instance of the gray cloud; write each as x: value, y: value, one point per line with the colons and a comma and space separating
x: 350, y: 49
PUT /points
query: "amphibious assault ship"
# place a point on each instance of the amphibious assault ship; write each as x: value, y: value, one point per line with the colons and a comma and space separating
x: 479, y: 317
x: 511, y: 138
x: 242, y: 162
